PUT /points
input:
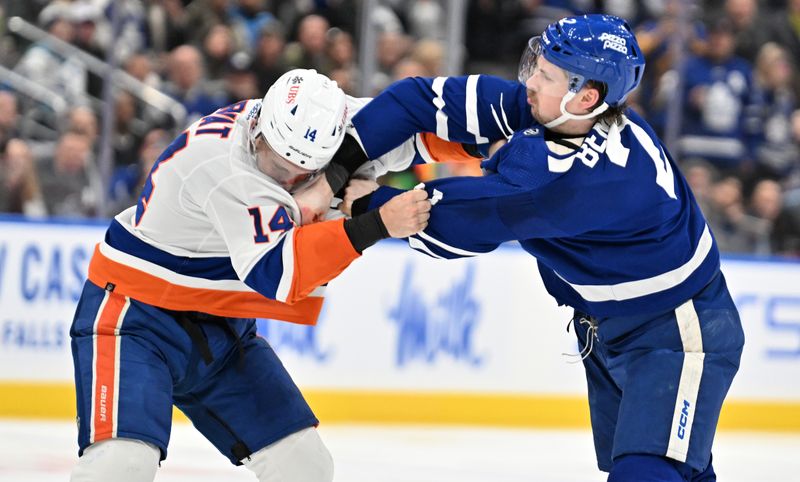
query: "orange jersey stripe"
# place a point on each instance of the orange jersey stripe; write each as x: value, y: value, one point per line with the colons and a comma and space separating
x: 441, y: 150
x: 105, y: 367
x: 321, y: 252
x: 156, y: 291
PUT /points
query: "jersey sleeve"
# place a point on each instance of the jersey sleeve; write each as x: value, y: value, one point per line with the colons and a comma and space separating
x: 476, y: 110
x: 473, y: 215
x: 269, y: 252
x: 419, y: 148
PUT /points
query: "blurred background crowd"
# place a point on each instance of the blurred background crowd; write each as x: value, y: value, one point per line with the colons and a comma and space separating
x: 92, y: 91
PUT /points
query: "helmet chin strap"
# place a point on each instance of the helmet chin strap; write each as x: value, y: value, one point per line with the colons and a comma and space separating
x: 565, y: 116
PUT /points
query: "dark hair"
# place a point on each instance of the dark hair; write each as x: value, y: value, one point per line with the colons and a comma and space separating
x: 612, y: 115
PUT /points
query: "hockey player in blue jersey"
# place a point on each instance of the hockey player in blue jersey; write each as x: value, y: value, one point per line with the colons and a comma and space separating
x: 587, y: 188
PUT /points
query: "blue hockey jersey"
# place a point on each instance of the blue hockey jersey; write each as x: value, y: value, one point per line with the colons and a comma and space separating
x: 613, y: 225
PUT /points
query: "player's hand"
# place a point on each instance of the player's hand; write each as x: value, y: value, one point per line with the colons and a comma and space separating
x: 406, y: 214
x: 314, y: 201
x: 356, y: 188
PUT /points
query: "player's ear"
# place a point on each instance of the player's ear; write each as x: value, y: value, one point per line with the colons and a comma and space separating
x: 588, y: 97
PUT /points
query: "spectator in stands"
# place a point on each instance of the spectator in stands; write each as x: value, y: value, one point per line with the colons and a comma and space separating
x: 342, y: 60
x: 218, y: 46
x: 785, y: 31
x: 735, y: 230
x: 20, y: 193
x: 166, y: 25
x: 308, y: 52
x: 720, y: 104
x: 140, y: 67
x: 70, y: 183
x: 656, y: 38
x: 128, y: 129
x: 84, y: 16
x: 426, y: 19
x: 249, y: 18
x: 188, y: 85
x: 64, y: 75
x: 767, y: 202
x: 392, y: 47
x: 341, y: 52
x: 82, y: 120
x: 268, y: 62
x: 127, y: 181
x: 492, y: 37
x: 751, y: 30
x: 700, y: 175
x: 777, y: 152
x: 9, y: 116
x: 429, y: 53
x: 202, y: 15
x: 408, y: 67
x: 240, y: 80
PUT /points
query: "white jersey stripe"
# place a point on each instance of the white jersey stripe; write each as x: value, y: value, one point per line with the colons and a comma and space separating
x: 285, y: 284
x: 473, y: 126
x: 438, y: 101
x: 635, y: 289
x: 505, y: 118
x: 421, y: 246
x: 94, y: 364
x: 689, y: 327
x: 446, y: 247
x: 499, y: 125
x: 689, y: 386
x: 169, y: 275
x: 423, y: 149
x: 117, y: 357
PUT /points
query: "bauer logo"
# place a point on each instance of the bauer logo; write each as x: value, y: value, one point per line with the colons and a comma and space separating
x: 683, y: 420
x: 446, y: 328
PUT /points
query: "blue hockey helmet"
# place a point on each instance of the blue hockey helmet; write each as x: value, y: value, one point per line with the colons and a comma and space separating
x: 601, y: 48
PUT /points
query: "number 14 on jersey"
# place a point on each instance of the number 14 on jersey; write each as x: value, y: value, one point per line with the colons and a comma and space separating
x: 279, y: 222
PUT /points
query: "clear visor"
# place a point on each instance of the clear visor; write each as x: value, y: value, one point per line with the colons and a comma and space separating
x: 527, y: 63
x: 289, y: 176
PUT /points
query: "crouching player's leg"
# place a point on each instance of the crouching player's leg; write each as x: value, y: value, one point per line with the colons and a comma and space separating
x: 118, y: 459
x: 296, y: 457
x: 656, y: 388
x: 248, y: 406
x: 123, y: 388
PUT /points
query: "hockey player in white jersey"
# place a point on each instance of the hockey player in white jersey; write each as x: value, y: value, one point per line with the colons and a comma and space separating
x: 167, y: 315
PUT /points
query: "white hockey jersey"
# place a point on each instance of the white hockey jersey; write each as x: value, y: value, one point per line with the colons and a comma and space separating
x: 211, y: 233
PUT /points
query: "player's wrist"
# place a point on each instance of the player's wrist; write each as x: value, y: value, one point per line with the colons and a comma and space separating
x: 361, y: 205
x: 350, y: 155
x: 348, y: 158
x: 365, y: 230
x: 337, y: 176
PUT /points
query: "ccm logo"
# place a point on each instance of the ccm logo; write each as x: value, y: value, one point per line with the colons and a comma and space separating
x: 683, y: 420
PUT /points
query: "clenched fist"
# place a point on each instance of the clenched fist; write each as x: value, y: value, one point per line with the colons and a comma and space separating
x: 406, y: 214
x: 356, y: 188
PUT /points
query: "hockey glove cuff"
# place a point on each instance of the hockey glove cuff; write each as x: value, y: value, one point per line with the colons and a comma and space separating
x: 365, y: 230
x: 348, y: 158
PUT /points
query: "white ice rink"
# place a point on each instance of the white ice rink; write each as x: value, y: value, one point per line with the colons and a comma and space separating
x: 45, y: 451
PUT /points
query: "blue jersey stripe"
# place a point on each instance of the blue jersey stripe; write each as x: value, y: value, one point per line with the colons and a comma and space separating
x: 267, y: 273
x: 216, y: 268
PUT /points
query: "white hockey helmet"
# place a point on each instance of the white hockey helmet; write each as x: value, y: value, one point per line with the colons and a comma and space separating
x: 303, y: 117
